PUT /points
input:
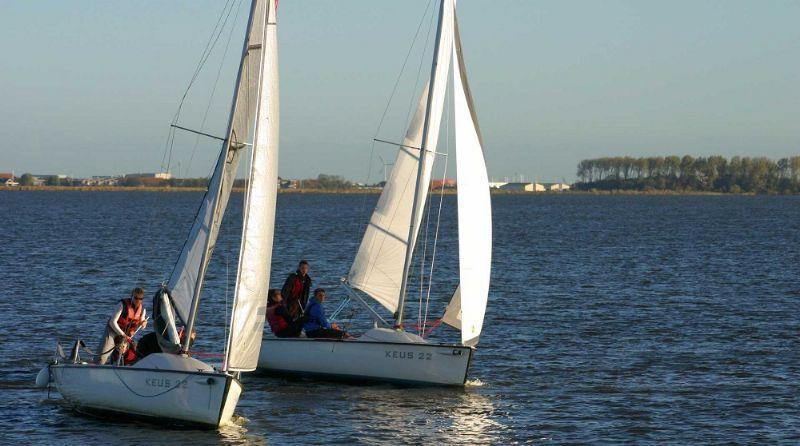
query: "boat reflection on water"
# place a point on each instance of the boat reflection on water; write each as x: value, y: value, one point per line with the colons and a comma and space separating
x: 426, y: 414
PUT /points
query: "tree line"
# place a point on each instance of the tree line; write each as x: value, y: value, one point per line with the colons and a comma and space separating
x: 687, y: 173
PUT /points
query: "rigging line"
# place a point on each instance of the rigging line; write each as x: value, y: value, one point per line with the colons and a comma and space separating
x: 424, y: 257
x: 216, y: 83
x: 212, y: 42
x: 438, y: 214
x: 386, y: 109
x: 419, y: 68
x: 197, y: 69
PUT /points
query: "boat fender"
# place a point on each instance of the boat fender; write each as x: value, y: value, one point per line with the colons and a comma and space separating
x: 43, y: 377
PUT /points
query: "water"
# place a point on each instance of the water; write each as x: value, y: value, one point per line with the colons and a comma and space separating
x: 612, y: 319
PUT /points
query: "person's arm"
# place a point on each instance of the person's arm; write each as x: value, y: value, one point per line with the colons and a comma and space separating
x: 113, y: 321
x: 144, y: 317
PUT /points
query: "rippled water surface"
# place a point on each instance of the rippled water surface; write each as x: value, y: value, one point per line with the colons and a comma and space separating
x: 612, y: 319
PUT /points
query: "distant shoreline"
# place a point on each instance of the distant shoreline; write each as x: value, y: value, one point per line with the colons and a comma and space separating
x: 354, y: 191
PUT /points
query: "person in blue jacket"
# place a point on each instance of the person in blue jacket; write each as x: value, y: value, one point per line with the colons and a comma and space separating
x: 317, y: 325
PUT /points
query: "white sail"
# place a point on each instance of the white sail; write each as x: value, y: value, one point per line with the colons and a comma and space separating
x: 452, y: 314
x: 183, y: 281
x: 474, y: 207
x: 378, y: 269
x: 255, y: 255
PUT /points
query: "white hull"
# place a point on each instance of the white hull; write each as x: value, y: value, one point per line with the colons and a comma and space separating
x: 417, y: 362
x: 188, y: 391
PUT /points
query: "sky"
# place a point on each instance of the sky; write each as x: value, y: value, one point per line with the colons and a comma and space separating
x: 90, y: 87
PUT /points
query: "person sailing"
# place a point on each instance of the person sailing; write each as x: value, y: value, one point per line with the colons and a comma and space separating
x: 317, y: 325
x: 296, y: 289
x: 124, y: 351
x: 278, y: 317
x: 127, y: 318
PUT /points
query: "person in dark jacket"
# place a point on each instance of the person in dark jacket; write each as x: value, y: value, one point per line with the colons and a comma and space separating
x: 278, y: 317
x: 296, y: 289
x: 317, y: 325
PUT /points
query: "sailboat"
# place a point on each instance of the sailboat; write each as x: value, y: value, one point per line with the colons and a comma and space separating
x: 380, y: 272
x: 172, y: 386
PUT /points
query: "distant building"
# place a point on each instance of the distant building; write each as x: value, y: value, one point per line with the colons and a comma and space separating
x: 157, y: 175
x: 287, y: 184
x: 446, y: 183
x: 523, y: 187
x: 497, y: 184
x: 102, y: 180
x: 7, y: 179
x: 556, y: 187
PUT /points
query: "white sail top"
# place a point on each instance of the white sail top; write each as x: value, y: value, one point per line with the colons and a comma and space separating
x: 378, y: 268
x: 255, y: 255
x: 467, y: 308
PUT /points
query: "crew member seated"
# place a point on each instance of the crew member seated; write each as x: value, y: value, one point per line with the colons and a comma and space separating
x: 124, y: 353
x: 128, y: 317
x: 278, y: 317
x: 317, y: 325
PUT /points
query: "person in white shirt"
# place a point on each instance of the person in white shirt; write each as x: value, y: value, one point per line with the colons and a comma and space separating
x: 127, y: 318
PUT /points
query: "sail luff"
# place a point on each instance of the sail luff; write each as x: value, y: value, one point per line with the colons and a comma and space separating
x: 255, y: 258
x: 436, y: 92
x: 186, y: 281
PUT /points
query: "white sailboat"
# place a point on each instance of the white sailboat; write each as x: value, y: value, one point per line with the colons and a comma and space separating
x: 381, y: 267
x: 174, y: 387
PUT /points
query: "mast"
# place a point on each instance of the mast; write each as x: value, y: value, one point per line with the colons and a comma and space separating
x: 412, y: 230
x: 223, y: 156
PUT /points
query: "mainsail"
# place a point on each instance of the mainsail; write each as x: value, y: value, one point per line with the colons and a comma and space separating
x: 255, y: 255
x: 380, y: 268
x: 185, y: 282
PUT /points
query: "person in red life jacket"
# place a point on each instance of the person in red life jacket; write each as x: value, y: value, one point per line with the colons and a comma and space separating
x: 124, y: 353
x: 296, y: 289
x: 278, y: 317
x: 127, y: 318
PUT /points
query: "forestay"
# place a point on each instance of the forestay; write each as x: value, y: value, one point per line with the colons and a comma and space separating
x: 467, y: 308
x: 255, y: 255
x: 193, y: 260
x: 378, y: 269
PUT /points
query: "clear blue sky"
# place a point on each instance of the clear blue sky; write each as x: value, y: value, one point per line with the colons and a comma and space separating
x: 89, y: 87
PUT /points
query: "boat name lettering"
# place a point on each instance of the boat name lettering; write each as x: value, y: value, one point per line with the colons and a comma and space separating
x: 395, y: 354
x: 165, y: 382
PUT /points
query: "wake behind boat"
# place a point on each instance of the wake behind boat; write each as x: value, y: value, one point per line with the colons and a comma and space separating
x: 380, y: 271
x: 172, y: 386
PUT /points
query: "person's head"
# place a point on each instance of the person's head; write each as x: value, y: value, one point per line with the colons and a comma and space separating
x: 274, y: 296
x: 137, y: 296
x: 303, y: 267
x: 121, y: 343
x: 320, y: 295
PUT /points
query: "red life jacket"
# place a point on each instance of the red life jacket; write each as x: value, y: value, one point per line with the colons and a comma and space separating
x: 129, y: 319
x: 276, y: 322
x: 128, y: 359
